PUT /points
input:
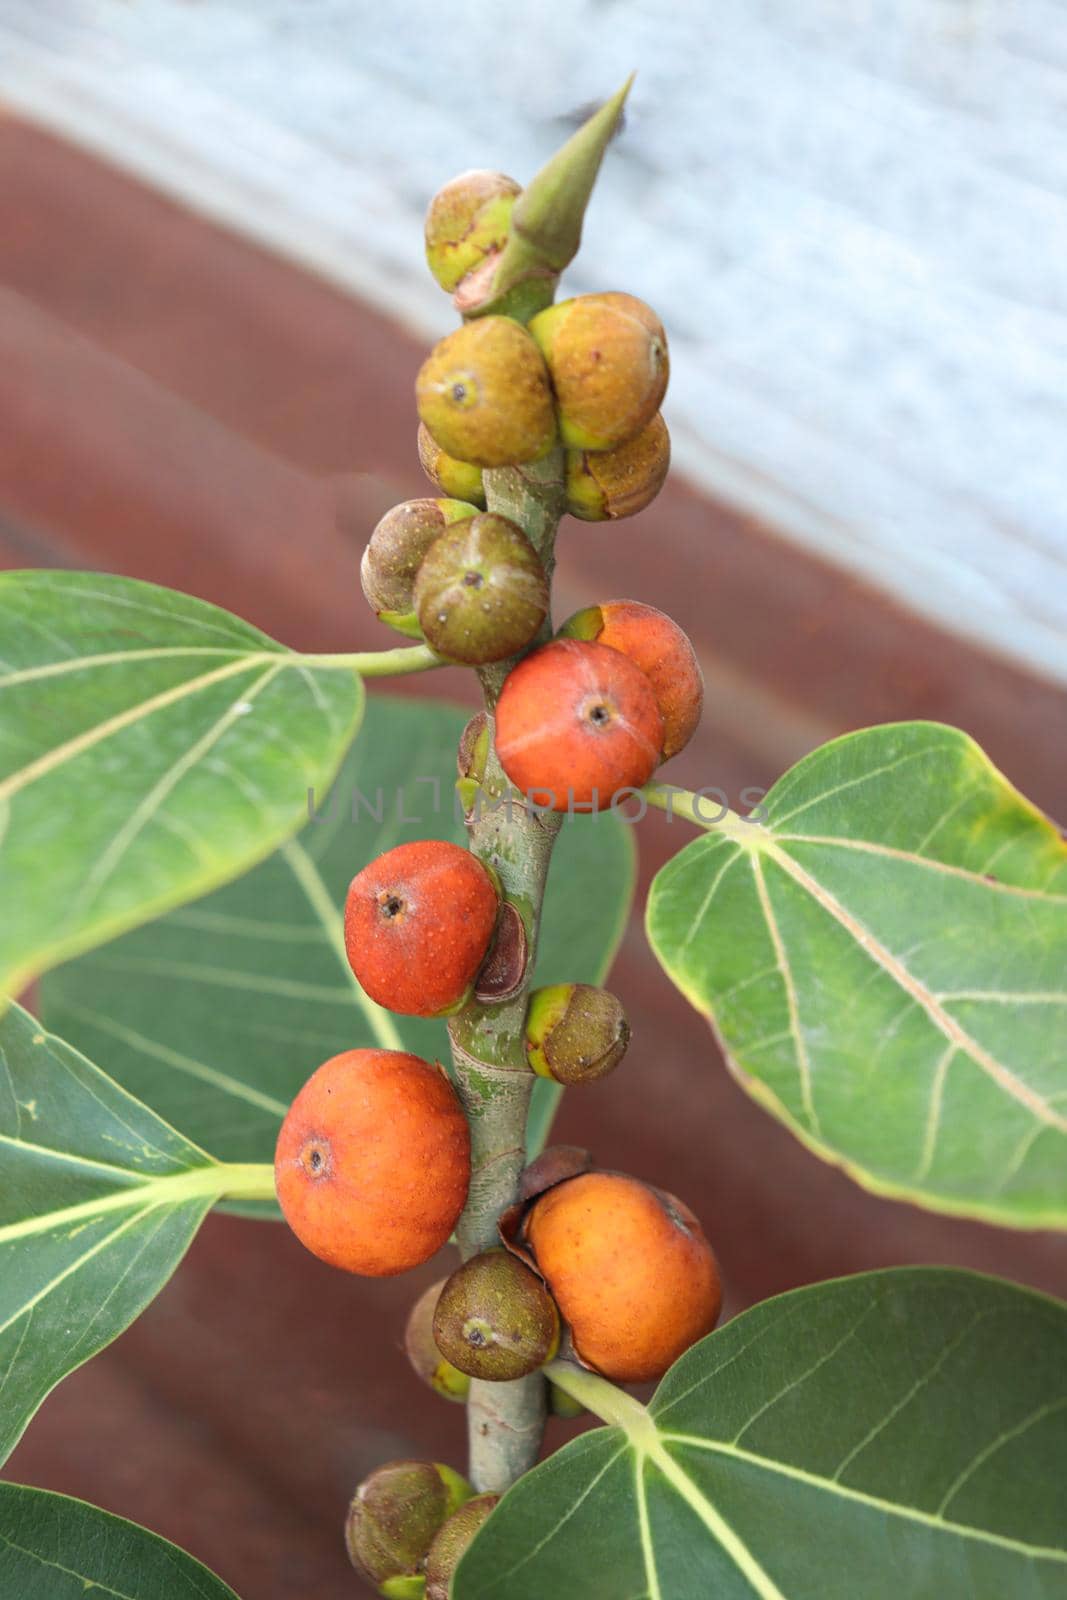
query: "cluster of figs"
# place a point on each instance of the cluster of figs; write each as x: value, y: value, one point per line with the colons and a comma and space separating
x: 373, y: 1162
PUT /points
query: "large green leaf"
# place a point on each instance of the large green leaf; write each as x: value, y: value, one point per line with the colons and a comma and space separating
x: 885, y: 963
x: 99, y: 1199
x: 53, y: 1548
x: 151, y: 747
x: 216, y: 1014
x: 896, y: 1434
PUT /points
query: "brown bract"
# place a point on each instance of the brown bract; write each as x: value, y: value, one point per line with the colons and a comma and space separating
x: 629, y: 1268
x: 418, y: 922
x: 607, y: 357
x: 656, y: 644
x: 576, y: 724
x: 484, y: 395
x: 372, y: 1163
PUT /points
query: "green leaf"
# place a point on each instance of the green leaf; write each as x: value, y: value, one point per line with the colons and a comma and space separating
x: 899, y: 1433
x: 98, y: 1201
x: 216, y: 1014
x: 151, y: 747
x: 54, y: 1548
x: 885, y: 964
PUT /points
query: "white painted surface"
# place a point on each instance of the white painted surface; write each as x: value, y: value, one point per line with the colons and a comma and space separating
x: 852, y: 215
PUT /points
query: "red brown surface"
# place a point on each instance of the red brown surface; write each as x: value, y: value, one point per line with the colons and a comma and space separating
x: 176, y: 406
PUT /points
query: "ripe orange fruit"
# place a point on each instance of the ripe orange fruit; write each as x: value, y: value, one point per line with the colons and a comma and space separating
x: 576, y: 723
x: 372, y: 1164
x: 418, y: 924
x: 629, y: 1268
x: 659, y: 647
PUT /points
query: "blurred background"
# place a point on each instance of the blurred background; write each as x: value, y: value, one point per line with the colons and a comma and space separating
x: 852, y: 218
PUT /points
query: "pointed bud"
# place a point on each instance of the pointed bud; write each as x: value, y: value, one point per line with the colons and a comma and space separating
x: 575, y: 1033
x: 467, y: 222
x: 495, y: 1319
x: 604, y: 485
x: 394, y: 554
x: 481, y: 593
x: 546, y: 223
x: 452, y: 1542
x: 393, y: 1518
x: 428, y: 1362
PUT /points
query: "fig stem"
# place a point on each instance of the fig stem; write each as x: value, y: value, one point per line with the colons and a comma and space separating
x: 612, y: 1405
x: 383, y: 663
x: 505, y: 1421
x: 701, y: 811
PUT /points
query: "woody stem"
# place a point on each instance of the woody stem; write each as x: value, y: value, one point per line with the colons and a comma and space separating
x: 505, y: 1420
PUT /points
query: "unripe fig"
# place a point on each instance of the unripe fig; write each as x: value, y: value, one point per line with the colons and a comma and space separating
x: 468, y: 221
x: 484, y: 395
x: 658, y: 646
x: 575, y: 1033
x: 393, y: 1519
x: 575, y: 724
x: 372, y: 1164
x: 422, y: 1351
x: 395, y: 551
x: 418, y: 923
x: 459, y: 479
x: 451, y: 1541
x: 495, y: 1319
x: 481, y: 593
x: 630, y: 1270
x: 603, y: 485
x: 607, y: 357
x: 563, y: 1405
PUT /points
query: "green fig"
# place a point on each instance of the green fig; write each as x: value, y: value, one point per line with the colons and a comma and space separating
x: 575, y: 1033
x: 468, y: 222
x: 484, y: 395
x: 392, y: 1520
x: 481, y: 593
x: 395, y: 551
x: 495, y: 1319
x: 607, y: 357
x: 604, y: 485
x: 427, y: 1361
x: 451, y: 1542
x: 459, y: 479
